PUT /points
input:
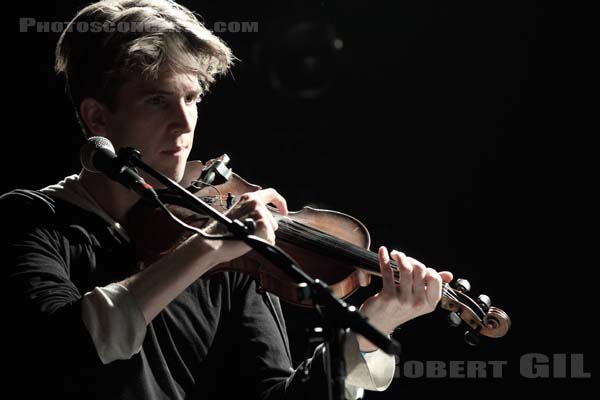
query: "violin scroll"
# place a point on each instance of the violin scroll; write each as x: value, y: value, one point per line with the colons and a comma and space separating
x: 480, y: 316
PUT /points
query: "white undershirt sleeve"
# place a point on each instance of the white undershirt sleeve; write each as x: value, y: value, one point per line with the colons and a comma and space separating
x: 115, y: 322
x: 371, y: 371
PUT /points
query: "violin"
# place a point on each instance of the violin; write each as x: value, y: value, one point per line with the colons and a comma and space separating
x: 328, y: 245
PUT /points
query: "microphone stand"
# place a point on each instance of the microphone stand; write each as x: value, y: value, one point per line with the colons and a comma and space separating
x: 339, y: 315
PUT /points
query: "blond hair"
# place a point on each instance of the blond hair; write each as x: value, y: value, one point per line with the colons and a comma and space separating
x: 110, y: 41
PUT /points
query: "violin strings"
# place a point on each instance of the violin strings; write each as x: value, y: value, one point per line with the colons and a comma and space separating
x: 307, y: 236
x: 312, y: 238
x: 448, y: 292
x: 319, y: 240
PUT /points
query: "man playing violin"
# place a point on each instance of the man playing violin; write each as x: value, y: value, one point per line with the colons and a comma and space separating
x: 85, y: 321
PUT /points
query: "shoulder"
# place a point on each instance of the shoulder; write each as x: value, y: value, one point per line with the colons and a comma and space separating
x: 24, y: 204
x: 29, y: 211
x: 33, y: 210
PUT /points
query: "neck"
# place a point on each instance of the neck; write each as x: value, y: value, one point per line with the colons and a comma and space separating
x: 115, y: 199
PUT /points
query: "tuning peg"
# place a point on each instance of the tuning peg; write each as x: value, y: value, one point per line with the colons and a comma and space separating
x: 463, y: 285
x: 472, y: 338
x: 484, y: 302
x: 454, y: 319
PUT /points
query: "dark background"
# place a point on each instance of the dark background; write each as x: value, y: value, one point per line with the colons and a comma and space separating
x: 455, y: 131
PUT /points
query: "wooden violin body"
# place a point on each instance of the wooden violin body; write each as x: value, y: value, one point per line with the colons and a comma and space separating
x: 338, y: 274
x: 327, y: 245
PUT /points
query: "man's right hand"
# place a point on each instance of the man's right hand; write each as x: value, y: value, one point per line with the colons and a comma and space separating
x: 250, y: 205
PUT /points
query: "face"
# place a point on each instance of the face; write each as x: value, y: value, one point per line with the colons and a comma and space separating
x: 157, y: 117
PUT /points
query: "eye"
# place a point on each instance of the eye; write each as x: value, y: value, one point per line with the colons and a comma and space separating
x: 156, y: 100
x: 193, y: 98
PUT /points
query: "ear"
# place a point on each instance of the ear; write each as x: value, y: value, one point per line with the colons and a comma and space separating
x: 95, y: 116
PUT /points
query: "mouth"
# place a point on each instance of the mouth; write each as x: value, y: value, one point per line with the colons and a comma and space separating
x: 174, y: 151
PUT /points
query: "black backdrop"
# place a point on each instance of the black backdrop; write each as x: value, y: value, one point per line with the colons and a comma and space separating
x: 454, y: 131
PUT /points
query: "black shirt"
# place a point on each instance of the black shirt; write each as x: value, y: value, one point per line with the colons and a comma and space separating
x: 218, y: 338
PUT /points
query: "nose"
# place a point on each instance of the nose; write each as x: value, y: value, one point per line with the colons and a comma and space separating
x: 183, y: 118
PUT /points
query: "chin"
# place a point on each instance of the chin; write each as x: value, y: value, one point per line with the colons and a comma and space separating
x: 178, y: 176
x: 174, y: 173
x: 178, y: 172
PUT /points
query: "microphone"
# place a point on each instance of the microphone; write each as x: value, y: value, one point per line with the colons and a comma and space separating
x: 98, y: 155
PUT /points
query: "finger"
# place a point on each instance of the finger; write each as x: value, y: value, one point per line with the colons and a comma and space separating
x: 446, y: 276
x: 405, y: 273
x: 266, y: 214
x: 433, y: 281
x: 419, y: 271
x: 418, y: 288
x: 364, y: 279
x: 251, y: 207
x: 264, y: 230
x: 429, y: 271
x: 387, y: 274
x: 271, y: 196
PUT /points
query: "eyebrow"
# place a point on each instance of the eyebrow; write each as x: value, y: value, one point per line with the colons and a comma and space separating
x: 149, y: 92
